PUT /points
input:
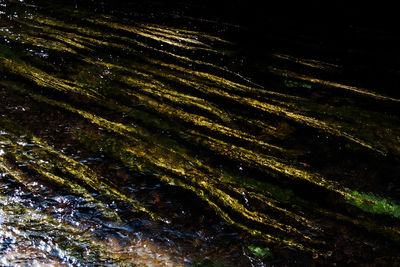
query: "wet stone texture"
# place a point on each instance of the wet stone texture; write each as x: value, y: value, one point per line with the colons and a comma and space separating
x: 144, y: 134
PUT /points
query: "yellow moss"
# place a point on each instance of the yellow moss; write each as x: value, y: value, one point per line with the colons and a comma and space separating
x: 177, y: 41
x: 308, y: 62
x: 294, y: 75
x: 41, y: 78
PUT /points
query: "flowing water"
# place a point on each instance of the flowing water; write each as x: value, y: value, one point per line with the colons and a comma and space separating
x: 144, y: 136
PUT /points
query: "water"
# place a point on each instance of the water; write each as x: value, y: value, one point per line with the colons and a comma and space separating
x: 140, y: 134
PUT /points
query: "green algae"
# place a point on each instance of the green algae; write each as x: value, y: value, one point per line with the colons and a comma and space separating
x: 291, y: 83
x: 374, y: 204
x: 260, y: 252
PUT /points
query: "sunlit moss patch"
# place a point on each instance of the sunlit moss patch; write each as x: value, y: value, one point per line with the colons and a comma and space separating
x: 260, y: 252
x: 374, y: 204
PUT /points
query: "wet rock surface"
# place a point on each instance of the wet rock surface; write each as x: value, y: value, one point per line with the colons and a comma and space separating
x: 139, y: 133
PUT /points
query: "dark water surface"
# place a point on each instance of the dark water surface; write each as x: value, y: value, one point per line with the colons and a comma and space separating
x: 141, y: 134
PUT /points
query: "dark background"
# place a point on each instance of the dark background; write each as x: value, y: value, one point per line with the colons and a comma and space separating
x: 361, y: 37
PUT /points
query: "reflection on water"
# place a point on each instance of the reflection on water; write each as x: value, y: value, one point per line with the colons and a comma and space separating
x: 128, y: 141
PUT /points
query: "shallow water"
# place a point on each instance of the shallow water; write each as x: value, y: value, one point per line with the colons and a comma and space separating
x: 135, y: 134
